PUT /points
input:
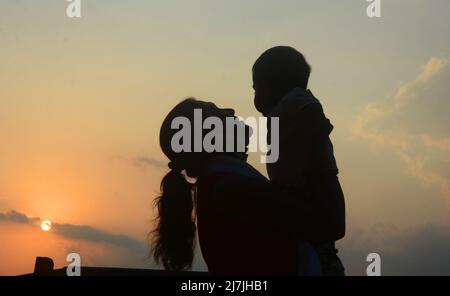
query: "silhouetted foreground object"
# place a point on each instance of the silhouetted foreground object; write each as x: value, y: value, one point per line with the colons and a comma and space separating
x: 44, y: 267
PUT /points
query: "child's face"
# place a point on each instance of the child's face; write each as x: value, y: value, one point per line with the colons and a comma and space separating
x: 264, y: 98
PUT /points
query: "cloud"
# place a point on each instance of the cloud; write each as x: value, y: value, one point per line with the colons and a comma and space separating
x: 141, y: 162
x: 423, y: 250
x: 415, y: 125
x: 77, y: 232
x: 16, y: 217
x: 88, y: 233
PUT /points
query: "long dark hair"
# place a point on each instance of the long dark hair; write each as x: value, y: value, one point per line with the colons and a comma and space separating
x: 173, y: 238
x: 174, y: 235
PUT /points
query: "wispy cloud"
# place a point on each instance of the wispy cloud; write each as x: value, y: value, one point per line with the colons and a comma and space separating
x: 88, y: 233
x: 141, y: 162
x: 77, y: 232
x: 413, y: 124
x: 16, y: 217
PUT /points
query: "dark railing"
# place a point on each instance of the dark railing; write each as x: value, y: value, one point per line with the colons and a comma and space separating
x: 44, y: 266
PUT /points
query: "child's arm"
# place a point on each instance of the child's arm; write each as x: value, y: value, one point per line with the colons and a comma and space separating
x: 259, y: 203
x: 310, y: 131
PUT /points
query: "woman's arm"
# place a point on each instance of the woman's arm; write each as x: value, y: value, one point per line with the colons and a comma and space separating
x: 320, y: 219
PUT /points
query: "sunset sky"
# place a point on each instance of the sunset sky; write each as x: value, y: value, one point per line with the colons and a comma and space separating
x: 82, y: 100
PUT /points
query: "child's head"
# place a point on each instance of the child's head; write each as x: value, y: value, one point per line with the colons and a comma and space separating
x: 276, y: 72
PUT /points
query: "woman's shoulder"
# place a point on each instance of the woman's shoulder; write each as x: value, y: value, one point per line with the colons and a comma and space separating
x: 228, y: 182
x: 231, y: 192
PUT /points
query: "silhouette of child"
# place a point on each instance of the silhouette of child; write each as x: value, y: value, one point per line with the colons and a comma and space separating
x: 306, y: 164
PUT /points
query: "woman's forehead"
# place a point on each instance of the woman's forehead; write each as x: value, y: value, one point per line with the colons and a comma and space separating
x: 209, y: 105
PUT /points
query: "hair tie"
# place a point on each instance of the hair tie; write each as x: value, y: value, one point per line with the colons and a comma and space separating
x: 174, y: 167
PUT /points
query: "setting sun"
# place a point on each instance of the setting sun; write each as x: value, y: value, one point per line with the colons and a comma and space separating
x: 46, y: 225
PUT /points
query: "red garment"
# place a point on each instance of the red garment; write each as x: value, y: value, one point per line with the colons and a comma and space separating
x: 231, y: 246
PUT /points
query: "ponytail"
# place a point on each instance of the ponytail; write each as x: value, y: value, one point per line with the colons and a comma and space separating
x: 174, y: 235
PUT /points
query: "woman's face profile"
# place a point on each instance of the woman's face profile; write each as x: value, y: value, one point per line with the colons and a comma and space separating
x: 232, y: 130
x: 211, y: 109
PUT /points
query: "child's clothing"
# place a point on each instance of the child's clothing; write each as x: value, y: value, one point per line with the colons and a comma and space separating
x: 305, y: 156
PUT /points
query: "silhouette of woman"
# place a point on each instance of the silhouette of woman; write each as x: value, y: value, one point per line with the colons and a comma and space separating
x: 245, y: 226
